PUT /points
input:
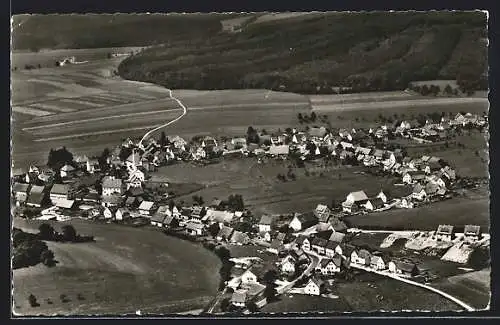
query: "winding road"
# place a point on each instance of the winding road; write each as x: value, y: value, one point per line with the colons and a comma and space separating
x: 184, y: 112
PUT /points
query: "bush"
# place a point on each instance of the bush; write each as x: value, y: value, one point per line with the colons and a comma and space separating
x: 32, y: 301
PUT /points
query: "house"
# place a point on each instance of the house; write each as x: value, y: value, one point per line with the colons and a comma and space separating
x: 112, y: 185
x: 133, y: 161
x: 170, y: 221
x: 419, y: 192
x: 314, y: 287
x: 287, y: 264
x: 195, y: 228
x: 239, y: 238
x: 59, y: 191
x: 46, y: 176
x: 322, y: 212
x: 355, y: 197
x: 329, y: 266
x: 20, y: 192
x: 432, y: 189
x: 157, y: 220
x: 406, y: 203
x: 381, y: 195
x: 377, y: 263
x: 109, y: 212
x: 248, y: 278
x: 147, y: 208
x: 411, y: 177
x: 472, y: 232
x: 222, y: 217
x: 303, y: 221
x: 136, y: 178
x: 361, y: 257
x: 281, y: 150
x: 337, y: 237
x: 67, y: 171
x: 265, y: 223
x: 403, y: 268
x: 431, y: 167
x: 198, y: 212
x: 239, y: 298
x: 303, y: 243
x: 225, y: 233
x: 319, y: 245
x: 333, y: 248
x: 122, y: 214
x: 276, y: 245
x: 445, y: 233
x: 374, y: 204
x: 93, y: 166
x: 112, y: 200
x: 37, y: 197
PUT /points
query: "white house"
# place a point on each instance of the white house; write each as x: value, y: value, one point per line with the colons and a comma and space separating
x: 329, y: 266
x: 419, y: 192
x: 239, y: 298
x: 109, y: 213
x: 332, y: 249
x: 314, y: 287
x: 361, y: 257
x: 67, y: 171
x: 265, y: 223
x: 288, y: 264
x: 146, y: 208
x: 303, y: 243
x: 122, y: 214
x: 93, y: 166
x: 248, y: 278
x: 377, y: 263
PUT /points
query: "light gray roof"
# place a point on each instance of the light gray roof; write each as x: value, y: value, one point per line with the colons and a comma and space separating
x: 110, y: 182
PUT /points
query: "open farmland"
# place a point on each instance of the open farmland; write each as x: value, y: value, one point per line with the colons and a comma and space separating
x: 125, y: 270
x: 261, y: 190
x: 473, y: 287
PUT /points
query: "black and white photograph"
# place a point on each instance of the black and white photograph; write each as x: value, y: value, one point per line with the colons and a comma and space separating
x: 249, y: 163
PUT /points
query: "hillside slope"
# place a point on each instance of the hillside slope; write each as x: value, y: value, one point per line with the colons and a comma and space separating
x: 321, y: 52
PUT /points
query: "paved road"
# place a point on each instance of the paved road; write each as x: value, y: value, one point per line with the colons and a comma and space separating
x: 395, y: 277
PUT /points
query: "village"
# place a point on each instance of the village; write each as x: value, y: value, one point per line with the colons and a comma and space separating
x: 306, y: 251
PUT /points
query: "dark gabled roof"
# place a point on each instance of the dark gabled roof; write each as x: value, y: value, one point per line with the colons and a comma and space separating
x: 158, y: 218
x: 363, y: 253
x: 110, y: 182
x: 239, y: 296
x: 377, y: 203
x: 300, y: 239
x: 112, y: 199
x: 406, y: 267
x: 332, y: 245
x: 136, y: 191
x: 59, y: 189
x: 307, y: 218
x: 472, y: 230
x: 319, y: 242
x: 36, y: 198
x: 37, y: 189
x: 337, y: 237
x: 266, y: 220
x: 445, y: 229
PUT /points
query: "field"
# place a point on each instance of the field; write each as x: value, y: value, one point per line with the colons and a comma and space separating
x: 457, y: 211
x: 125, y: 270
x: 261, y: 190
x: 474, y: 288
x: 361, y: 296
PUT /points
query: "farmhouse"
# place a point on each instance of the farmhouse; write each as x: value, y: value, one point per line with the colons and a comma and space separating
x: 194, y: 228
x: 65, y: 205
x: 147, y: 208
x: 157, y: 220
x: 445, y: 233
x: 377, y: 263
x: 303, y: 221
x: 353, y: 200
x: 38, y: 197
x: 248, y: 278
x: 413, y: 177
x: 109, y: 212
x: 239, y: 238
x: 329, y: 266
x: 112, y: 185
x: 303, y: 243
x: 239, y: 298
x: 281, y: 150
x: 322, y: 212
x: 333, y: 248
x: 265, y: 223
x: 288, y: 263
x: 419, y: 192
x: 93, y: 166
x: 225, y: 233
x: 403, y: 268
x: 122, y: 214
x: 319, y: 245
x: 58, y: 192
x: 472, y: 232
x: 337, y: 237
x: 361, y: 257
x: 374, y: 204
x: 67, y: 171
x: 112, y: 200
x: 314, y: 287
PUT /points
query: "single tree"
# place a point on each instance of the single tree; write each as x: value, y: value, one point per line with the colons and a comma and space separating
x: 252, y: 307
x: 214, y: 229
x: 46, y: 232
x: 69, y: 233
x: 270, y: 293
x: 32, y: 301
x: 163, y: 139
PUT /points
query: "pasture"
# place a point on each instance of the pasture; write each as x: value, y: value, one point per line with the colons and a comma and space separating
x: 261, y: 190
x: 125, y: 270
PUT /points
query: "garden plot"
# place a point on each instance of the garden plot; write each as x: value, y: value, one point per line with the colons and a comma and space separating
x: 51, y: 107
x: 82, y: 102
x: 458, y: 253
x: 30, y: 111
